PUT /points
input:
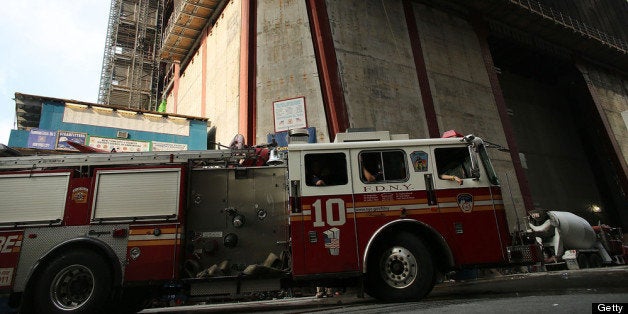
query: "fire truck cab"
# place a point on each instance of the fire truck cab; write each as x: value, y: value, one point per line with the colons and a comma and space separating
x: 385, y: 210
x: 376, y: 210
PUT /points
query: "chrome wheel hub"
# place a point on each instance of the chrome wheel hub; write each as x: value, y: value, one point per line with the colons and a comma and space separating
x: 72, y: 287
x: 399, y: 267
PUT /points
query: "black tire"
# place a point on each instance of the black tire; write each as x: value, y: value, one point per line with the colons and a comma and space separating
x: 400, y: 268
x: 595, y: 260
x: 74, y: 282
x: 583, y: 261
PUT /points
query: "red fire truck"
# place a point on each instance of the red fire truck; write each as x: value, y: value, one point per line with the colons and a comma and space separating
x: 86, y: 232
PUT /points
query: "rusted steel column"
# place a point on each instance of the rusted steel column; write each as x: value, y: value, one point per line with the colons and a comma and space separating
x: 327, y: 64
x: 252, y: 134
x: 204, y: 75
x: 247, y: 109
x: 421, y: 70
x: 175, y: 86
x: 481, y: 30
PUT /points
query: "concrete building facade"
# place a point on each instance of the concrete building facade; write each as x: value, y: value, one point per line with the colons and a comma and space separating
x: 537, y: 82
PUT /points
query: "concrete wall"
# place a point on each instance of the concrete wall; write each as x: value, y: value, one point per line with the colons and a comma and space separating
x: 611, y: 93
x: 223, y: 73
x: 190, y: 88
x: 380, y: 84
x: 547, y: 135
x: 381, y: 89
x: 376, y: 66
x: 463, y: 98
x: 286, y: 65
x: 222, y: 77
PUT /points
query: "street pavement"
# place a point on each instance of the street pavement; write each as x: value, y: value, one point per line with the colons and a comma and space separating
x: 608, y: 279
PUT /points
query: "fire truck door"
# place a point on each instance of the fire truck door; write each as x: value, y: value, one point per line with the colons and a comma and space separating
x: 328, y: 224
x: 467, y: 208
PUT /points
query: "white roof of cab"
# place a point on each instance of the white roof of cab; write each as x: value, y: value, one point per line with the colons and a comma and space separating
x: 376, y: 144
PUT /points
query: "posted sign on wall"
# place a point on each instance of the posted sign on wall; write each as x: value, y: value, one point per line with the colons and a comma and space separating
x: 42, y: 139
x: 289, y: 114
x: 67, y: 136
x: 119, y: 145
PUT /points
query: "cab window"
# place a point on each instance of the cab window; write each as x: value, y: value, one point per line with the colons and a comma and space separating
x: 326, y: 169
x: 380, y: 166
x: 453, y: 161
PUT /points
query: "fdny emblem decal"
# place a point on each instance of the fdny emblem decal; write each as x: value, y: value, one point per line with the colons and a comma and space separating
x: 465, y: 202
x: 332, y: 240
x: 79, y: 195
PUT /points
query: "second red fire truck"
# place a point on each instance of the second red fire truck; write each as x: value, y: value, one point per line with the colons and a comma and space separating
x: 86, y: 232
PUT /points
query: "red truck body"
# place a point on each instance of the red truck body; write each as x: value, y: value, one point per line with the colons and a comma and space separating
x: 203, y: 221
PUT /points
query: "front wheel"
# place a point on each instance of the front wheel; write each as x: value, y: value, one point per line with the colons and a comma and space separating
x: 400, y: 268
x: 74, y: 282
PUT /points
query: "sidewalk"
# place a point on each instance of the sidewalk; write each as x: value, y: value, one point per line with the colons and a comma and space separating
x: 600, y: 279
x: 607, y: 278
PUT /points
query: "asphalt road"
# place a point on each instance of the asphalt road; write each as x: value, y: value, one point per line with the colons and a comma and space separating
x: 569, y: 291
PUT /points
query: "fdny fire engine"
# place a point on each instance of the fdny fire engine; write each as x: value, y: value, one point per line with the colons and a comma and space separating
x: 82, y: 233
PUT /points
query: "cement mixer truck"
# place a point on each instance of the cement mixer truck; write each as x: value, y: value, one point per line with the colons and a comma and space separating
x: 569, y: 240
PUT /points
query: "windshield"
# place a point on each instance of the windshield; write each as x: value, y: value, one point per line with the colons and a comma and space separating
x: 490, y: 172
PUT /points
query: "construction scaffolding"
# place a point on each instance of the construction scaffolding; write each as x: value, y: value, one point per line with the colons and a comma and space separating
x: 131, y: 67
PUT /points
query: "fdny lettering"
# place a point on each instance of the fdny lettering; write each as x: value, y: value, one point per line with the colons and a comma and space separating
x: 387, y: 188
x: 10, y: 244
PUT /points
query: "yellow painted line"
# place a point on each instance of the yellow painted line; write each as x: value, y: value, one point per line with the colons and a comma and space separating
x: 482, y: 197
x: 455, y: 199
x: 150, y: 231
x: 300, y: 218
x: 375, y: 214
x: 422, y: 211
x: 153, y: 242
x: 475, y: 209
x: 396, y: 213
x: 389, y: 203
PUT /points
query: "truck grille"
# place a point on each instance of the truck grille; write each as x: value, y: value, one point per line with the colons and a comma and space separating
x: 523, y: 254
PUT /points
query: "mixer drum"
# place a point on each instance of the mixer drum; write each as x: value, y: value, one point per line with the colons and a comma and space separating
x: 575, y: 232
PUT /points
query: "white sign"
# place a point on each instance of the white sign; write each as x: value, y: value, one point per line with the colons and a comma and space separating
x: 289, y: 114
x: 120, y: 146
x: 165, y: 146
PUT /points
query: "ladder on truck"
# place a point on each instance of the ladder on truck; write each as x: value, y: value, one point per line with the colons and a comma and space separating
x: 210, y: 157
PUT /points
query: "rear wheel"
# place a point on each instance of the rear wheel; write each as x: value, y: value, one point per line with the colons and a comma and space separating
x: 74, y: 282
x: 400, y: 268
